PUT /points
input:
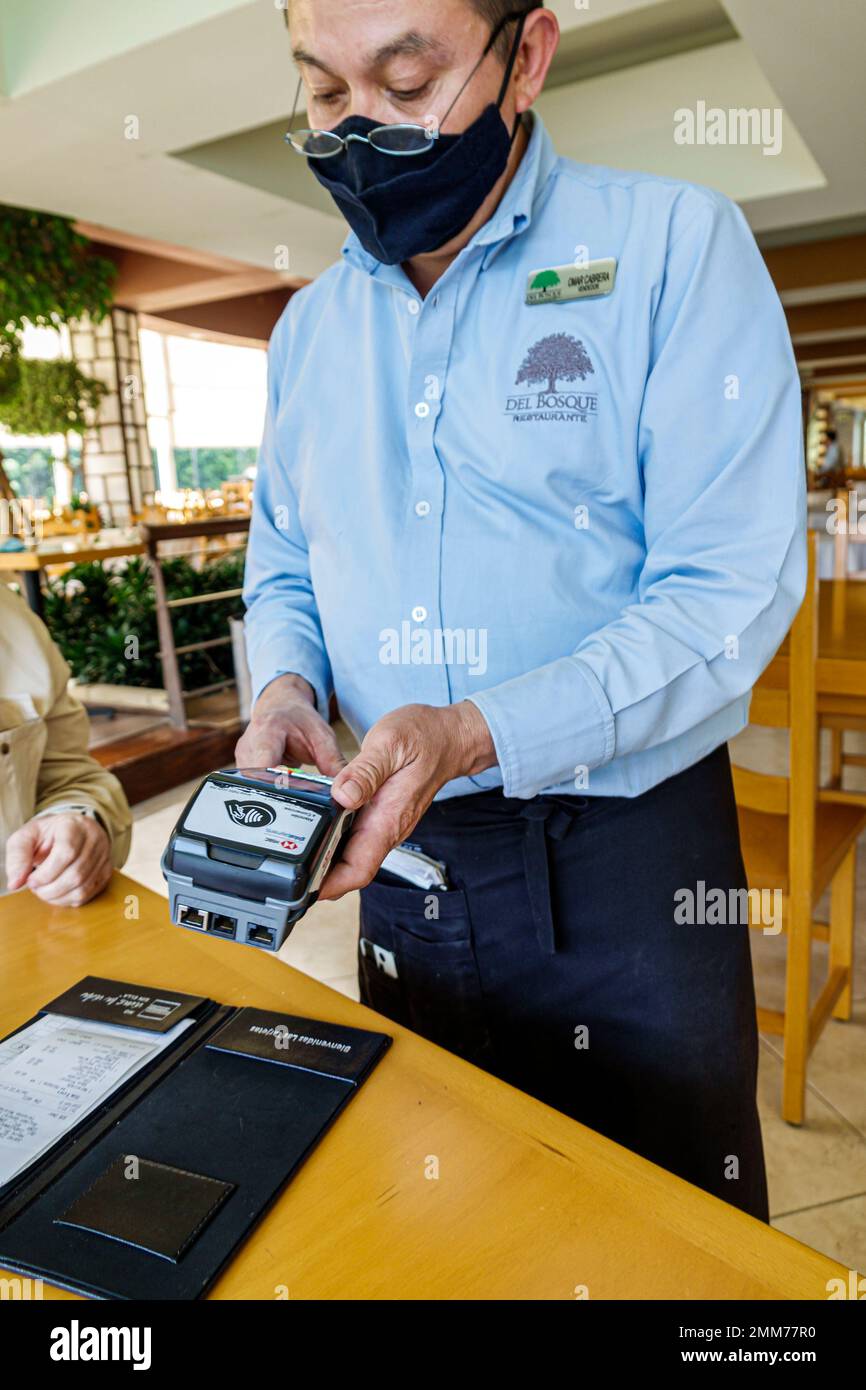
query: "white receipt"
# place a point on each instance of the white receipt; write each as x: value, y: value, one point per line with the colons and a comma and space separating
x: 56, y: 1071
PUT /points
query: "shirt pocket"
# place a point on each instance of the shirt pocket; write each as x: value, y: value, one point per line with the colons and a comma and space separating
x: 421, y: 970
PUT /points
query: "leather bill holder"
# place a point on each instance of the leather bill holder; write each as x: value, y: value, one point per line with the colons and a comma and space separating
x: 153, y: 1193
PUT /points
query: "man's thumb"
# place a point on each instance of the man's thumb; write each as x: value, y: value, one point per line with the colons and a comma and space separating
x: 20, y: 849
x: 360, y: 780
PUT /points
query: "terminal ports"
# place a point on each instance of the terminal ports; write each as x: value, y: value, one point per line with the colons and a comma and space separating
x: 223, y: 926
x: 260, y: 936
x: 192, y: 917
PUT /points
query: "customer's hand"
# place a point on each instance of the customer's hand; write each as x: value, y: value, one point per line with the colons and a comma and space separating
x: 64, y: 859
x: 404, y: 760
x: 287, y: 728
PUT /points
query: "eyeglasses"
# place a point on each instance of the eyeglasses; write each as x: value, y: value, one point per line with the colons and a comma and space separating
x: 405, y: 138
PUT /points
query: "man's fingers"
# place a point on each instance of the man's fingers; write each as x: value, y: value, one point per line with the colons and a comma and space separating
x: 81, y: 889
x: 361, y: 860
x: 260, y: 747
x: 66, y: 845
x: 303, y: 737
x: 83, y: 866
x: 326, y: 751
x: 361, y: 778
x: 21, y: 854
x: 377, y: 830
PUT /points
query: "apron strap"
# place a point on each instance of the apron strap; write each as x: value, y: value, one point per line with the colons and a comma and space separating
x: 545, y: 816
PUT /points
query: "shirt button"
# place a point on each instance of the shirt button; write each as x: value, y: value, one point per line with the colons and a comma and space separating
x: 422, y: 410
x: 422, y: 508
x: 414, y: 307
x: 419, y: 614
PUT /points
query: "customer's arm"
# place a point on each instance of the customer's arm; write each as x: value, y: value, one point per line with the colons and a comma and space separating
x: 64, y: 856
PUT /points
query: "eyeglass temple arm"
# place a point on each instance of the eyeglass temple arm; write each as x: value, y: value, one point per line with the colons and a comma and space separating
x: 512, y: 58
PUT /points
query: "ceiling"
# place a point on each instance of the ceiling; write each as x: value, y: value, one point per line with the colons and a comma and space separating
x: 204, y: 89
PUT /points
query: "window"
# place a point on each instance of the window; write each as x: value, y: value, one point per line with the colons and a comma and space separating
x: 205, y: 407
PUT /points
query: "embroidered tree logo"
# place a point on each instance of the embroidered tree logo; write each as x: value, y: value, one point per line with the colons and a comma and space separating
x: 557, y: 357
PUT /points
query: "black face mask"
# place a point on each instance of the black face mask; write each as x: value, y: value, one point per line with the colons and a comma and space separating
x: 400, y: 208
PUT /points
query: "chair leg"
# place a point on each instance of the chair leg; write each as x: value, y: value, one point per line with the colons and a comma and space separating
x: 796, y: 1031
x: 842, y: 927
x: 836, y: 757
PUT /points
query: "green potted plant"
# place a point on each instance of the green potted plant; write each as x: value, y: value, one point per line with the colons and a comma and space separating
x: 48, y: 277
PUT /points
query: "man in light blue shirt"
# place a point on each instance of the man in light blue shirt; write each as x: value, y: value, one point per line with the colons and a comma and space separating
x: 531, y: 504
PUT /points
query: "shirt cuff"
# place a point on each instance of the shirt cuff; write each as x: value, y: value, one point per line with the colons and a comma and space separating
x: 548, y: 727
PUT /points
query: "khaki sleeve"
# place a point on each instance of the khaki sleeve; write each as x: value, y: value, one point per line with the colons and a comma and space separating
x: 68, y: 773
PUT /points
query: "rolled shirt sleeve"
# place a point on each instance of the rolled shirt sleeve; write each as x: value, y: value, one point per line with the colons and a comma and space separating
x: 283, y: 629
x: 721, y: 458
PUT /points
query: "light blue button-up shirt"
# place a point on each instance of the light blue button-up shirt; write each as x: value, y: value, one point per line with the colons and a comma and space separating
x: 587, y: 516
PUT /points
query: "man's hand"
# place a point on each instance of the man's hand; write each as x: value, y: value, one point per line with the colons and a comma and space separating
x: 403, y: 762
x: 286, y: 727
x: 64, y: 859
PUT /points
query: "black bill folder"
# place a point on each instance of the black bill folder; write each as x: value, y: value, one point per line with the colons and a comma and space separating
x: 147, y: 1193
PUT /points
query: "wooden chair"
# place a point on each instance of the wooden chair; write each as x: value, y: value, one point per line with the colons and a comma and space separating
x: 849, y: 713
x: 797, y: 844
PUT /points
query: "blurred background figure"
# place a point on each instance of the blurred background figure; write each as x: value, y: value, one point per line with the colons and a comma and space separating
x: 831, y: 472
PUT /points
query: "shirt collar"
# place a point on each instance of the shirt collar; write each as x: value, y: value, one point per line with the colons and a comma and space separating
x: 513, y: 215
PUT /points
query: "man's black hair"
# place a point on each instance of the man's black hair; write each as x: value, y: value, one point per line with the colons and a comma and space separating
x: 493, y: 11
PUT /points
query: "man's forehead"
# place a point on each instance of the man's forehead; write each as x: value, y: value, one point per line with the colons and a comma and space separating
x: 408, y: 44
x: 376, y: 32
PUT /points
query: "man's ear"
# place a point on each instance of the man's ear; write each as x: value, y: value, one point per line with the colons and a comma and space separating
x: 538, y: 44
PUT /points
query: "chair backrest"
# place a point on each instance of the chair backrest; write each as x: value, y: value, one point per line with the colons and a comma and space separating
x: 786, y: 697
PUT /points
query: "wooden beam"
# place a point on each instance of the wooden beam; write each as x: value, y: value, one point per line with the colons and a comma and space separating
x: 112, y: 236
x: 249, y: 319
x: 839, y: 260
x: 851, y: 380
x: 157, y: 278
x: 210, y: 291
x: 846, y: 349
x: 832, y: 316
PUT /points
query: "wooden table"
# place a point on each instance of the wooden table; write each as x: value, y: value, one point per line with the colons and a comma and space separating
x: 527, y: 1205
x: 30, y: 564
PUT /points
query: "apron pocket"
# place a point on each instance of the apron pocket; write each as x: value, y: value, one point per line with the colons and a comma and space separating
x: 419, y: 969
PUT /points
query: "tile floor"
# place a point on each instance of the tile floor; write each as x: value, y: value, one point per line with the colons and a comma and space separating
x: 817, y: 1173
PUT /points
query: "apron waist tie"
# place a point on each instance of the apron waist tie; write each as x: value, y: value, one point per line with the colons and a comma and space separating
x: 546, y: 816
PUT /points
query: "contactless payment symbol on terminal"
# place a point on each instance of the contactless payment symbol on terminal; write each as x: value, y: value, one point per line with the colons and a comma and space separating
x: 250, y: 813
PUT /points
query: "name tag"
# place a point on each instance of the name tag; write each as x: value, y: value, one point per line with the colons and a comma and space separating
x: 563, y: 282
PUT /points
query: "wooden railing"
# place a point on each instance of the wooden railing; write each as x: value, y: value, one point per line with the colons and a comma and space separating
x: 153, y: 536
